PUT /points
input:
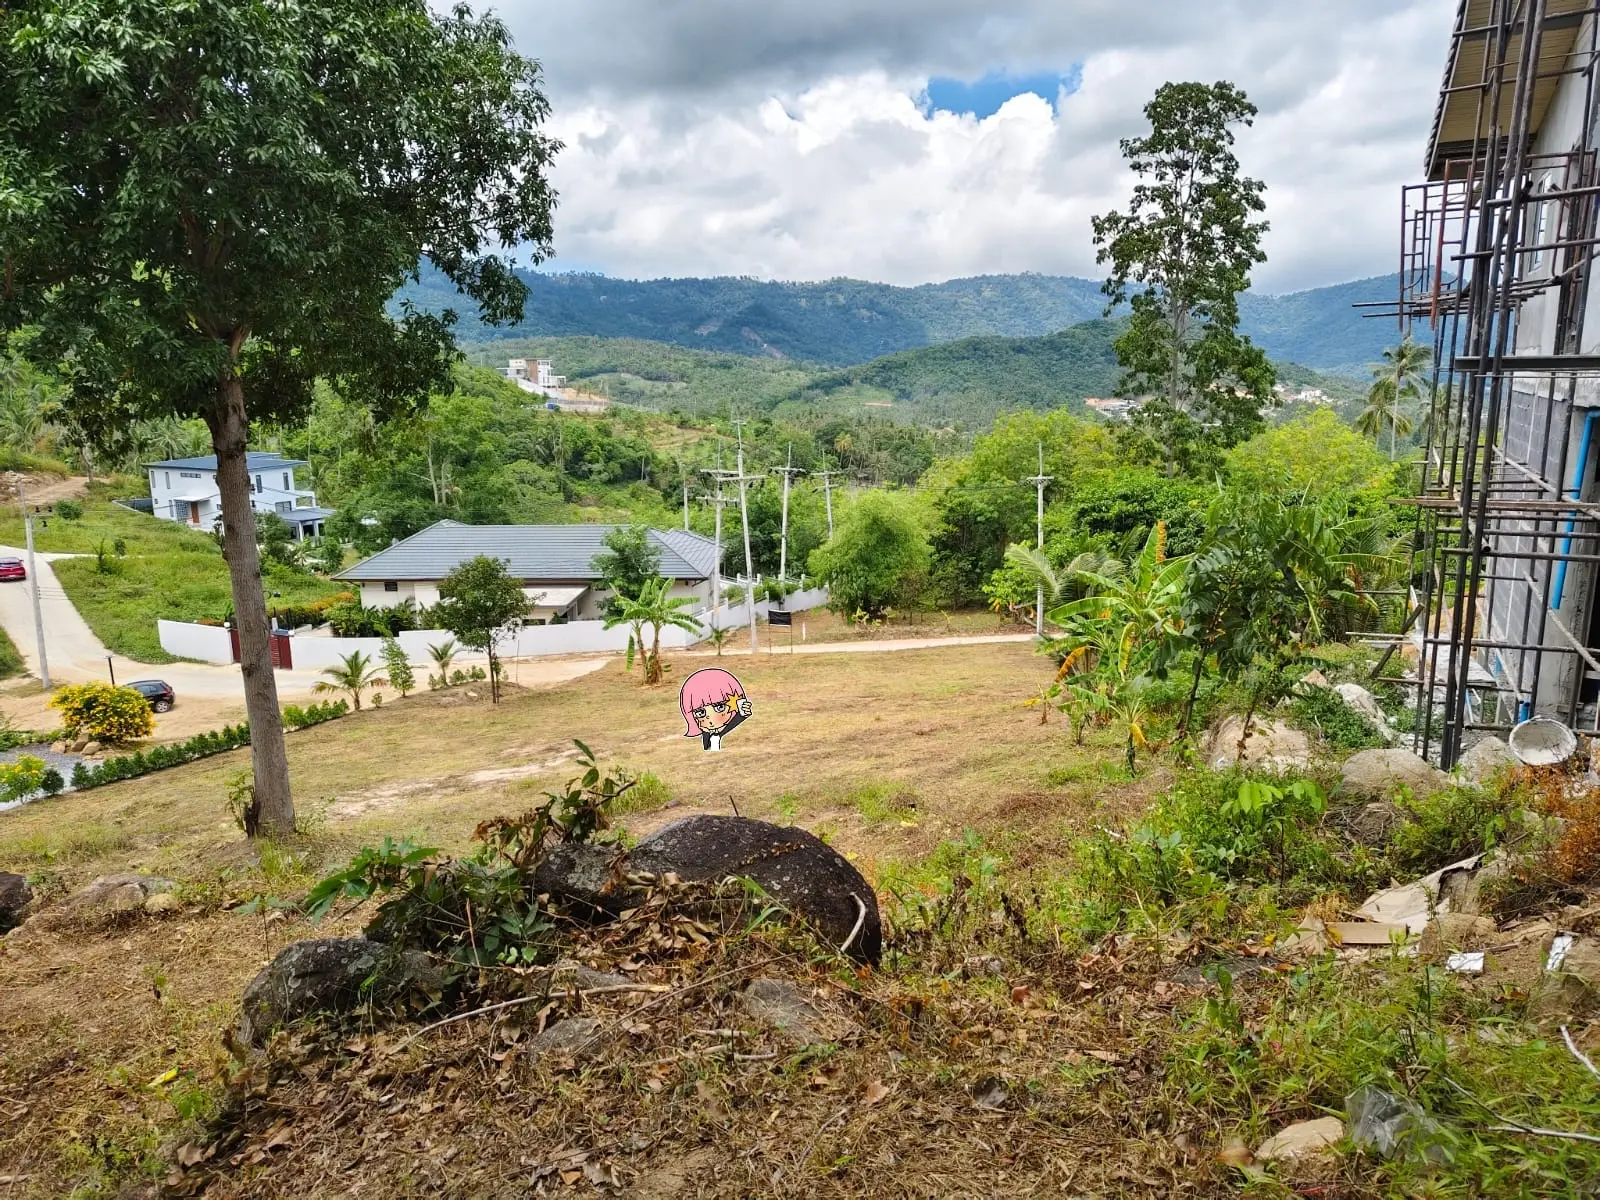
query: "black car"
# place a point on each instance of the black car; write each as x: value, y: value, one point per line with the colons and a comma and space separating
x: 157, y: 691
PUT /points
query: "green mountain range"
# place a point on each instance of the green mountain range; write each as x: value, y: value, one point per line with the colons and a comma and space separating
x: 964, y: 382
x: 846, y: 321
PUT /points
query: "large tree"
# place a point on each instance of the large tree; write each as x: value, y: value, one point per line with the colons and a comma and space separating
x: 206, y: 206
x: 1181, y: 254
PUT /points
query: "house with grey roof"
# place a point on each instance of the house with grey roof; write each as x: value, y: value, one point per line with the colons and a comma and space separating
x: 185, y: 489
x: 555, y: 564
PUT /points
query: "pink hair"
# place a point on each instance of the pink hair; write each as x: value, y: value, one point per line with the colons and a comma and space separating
x: 709, y: 686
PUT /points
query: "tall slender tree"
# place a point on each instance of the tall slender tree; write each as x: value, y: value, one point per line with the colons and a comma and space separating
x: 1396, y: 390
x: 1180, y: 255
x: 206, y: 206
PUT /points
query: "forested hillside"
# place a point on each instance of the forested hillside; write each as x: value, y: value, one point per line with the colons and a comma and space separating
x: 845, y: 321
x: 963, y: 384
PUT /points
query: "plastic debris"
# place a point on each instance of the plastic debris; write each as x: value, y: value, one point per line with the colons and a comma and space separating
x: 1382, y: 1121
x: 1558, y: 951
x: 1465, y: 962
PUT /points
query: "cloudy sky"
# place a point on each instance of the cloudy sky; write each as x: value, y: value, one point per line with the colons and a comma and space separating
x: 911, y: 141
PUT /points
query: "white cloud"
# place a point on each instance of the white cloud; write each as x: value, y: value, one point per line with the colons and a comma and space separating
x: 788, y: 140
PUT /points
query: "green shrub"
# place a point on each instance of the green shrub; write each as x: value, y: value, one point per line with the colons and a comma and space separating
x: 51, y: 783
x: 69, y: 510
x: 113, y: 715
x: 1453, y: 823
x: 1341, y: 727
x: 21, y: 778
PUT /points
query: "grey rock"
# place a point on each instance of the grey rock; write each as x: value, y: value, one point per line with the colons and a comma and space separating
x: 564, y: 1037
x: 1485, y: 760
x: 581, y: 872
x: 1461, y: 887
x: 799, y: 870
x: 15, y: 896
x: 1271, y: 746
x: 1302, y: 1138
x: 331, y: 975
x: 1364, y: 702
x: 1377, y: 774
x: 116, y: 894
x: 567, y: 973
x: 782, y: 1005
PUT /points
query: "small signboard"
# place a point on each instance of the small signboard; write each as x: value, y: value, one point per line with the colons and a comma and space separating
x: 778, y: 616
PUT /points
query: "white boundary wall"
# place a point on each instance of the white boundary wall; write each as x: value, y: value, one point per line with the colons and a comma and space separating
x: 209, y: 643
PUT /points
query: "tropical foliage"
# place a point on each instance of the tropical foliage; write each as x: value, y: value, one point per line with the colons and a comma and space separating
x: 652, y: 607
x: 353, y: 675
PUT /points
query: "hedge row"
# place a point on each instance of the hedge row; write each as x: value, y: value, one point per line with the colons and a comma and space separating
x: 202, y: 745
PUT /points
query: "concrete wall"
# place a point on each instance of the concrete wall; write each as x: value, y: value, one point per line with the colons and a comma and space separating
x: 207, y: 643
x: 313, y: 652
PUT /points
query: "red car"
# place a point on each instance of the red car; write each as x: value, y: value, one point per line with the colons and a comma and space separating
x: 12, y: 568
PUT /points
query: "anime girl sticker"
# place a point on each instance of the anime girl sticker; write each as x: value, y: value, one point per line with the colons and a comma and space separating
x: 712, y: 702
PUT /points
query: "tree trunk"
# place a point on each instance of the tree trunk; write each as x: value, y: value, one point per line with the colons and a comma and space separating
x: 268, y: 758
x: 655, y: 655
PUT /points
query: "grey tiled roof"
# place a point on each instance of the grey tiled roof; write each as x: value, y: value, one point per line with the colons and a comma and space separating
x: 255, y: 460
x: 534, y: 552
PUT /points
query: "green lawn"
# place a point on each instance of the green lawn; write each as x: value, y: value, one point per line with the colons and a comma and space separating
x: 168, y: 572
x: 10, y: 660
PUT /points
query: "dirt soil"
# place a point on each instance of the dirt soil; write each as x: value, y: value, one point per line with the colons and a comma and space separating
x: 115, y: 1061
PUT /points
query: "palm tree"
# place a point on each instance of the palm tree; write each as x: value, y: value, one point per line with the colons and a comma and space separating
x: 443, y: 655
x: 354, y: 674
x: 1395, y: 385
x: 652, y: 607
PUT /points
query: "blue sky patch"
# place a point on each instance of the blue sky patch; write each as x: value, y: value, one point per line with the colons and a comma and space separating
x: 983, y: 97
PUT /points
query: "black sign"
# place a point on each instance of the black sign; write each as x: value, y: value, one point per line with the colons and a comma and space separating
x: 778, y: 616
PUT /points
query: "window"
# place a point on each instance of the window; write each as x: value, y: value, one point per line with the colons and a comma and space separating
x: 391, y: 586
x: 166, y: 477
x: 1546, y: 213
x: 286, y: 485
x: 258, y: 483
x: 284, y: 506
x: 189, y: 475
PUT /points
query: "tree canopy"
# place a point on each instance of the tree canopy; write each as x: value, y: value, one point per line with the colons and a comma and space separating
x: 204, y: 207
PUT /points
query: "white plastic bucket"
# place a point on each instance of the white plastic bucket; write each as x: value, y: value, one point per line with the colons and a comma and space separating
x: 1542, y: 742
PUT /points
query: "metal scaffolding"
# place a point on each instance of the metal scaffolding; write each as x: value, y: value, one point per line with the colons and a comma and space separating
x: 1496, y: 259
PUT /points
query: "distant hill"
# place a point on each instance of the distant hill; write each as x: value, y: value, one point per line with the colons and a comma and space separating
x: 845, y: 321
x: 964, y: 382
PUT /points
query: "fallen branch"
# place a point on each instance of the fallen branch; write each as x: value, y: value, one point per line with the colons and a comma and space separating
x: 1579, y: 1054
x: 861, y: 919
x: 1566, y: 1134
x: 504, y: 1004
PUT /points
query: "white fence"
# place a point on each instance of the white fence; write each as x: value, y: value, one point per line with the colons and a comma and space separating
x: 209, y: 643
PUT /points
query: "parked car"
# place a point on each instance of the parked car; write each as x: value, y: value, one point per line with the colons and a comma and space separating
x: 157, y: 691
x: 12, y: 568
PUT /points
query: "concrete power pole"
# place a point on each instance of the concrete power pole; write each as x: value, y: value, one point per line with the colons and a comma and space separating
x: 33, y: 584
x: 744, y: 519
x: 788, y: 472
x: 717, y: 500
x: 827, y: 491
x: 1040, y: 480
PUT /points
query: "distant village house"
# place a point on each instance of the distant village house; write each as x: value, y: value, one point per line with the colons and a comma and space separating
x: 185, y: 490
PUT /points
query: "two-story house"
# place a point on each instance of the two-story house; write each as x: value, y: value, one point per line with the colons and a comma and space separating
x: 185, y: 489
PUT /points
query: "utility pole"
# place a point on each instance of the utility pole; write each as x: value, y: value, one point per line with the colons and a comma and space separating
x: 827, y: 491
x: 1040, y: 480
x: 744, y: 519
x: 685, y: 498
x: 33, y: 584
x: 788, y: 472
x: 717, y: 501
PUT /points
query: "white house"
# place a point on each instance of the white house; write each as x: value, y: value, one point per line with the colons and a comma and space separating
x: 185, y: 489
x: 555, y: 564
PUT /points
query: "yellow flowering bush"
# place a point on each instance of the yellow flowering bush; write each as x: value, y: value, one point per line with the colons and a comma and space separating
x: 113, y: 715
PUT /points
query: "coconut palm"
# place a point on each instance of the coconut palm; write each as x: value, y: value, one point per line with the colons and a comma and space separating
x: 354, y: 674
x: 652, y: 607
x: 443, y: 655
x: 1395, y: 386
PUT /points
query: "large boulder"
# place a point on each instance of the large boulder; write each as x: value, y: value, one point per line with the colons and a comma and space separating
x: 332, y: 975
x: 799, y: 870
x: 1569, y: 987
x: 583, y: 872
x: 1364, y: 702
x: 1271, y: 746
x: 15, y: 896
x: 1484, y: 761
x: 109, y: 895
x: 1377, y: 774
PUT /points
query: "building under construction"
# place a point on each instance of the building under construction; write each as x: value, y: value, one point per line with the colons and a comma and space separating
x: 1497, y: 258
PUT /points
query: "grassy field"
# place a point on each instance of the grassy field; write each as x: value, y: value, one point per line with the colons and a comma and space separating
x: 167, y: 571
x: 999, y: 1048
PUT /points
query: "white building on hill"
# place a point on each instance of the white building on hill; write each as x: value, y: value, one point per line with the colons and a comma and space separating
x: 185, y: 489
